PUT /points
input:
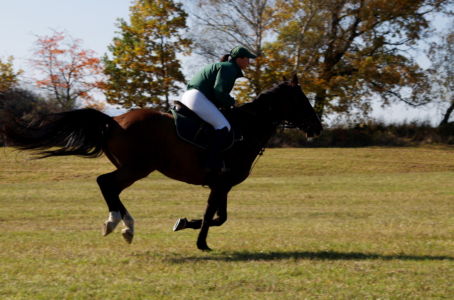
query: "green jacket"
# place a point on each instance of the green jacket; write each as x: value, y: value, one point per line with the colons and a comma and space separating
x: 216, y: 82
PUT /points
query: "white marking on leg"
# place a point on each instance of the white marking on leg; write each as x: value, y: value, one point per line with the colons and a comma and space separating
x: 114, y: 216
x: 128, y: 221
x: 112, y: 222
x: 128, y: 231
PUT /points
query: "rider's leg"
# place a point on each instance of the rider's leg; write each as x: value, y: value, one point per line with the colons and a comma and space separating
x: 206, y: 110
x: 214, y: 162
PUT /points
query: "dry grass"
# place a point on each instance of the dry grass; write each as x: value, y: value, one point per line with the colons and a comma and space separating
x: 309, y: 223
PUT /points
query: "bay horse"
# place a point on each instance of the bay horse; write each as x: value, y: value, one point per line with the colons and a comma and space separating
x: 141, y: 141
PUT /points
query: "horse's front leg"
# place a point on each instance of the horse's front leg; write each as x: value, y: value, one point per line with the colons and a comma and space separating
x: 217, y: 201
x: 184, y: 223
x: 203, y: 233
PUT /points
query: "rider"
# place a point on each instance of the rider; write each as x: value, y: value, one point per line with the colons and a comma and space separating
x: 209, y: 90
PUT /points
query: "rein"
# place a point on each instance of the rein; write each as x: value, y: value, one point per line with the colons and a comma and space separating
x: 262, y: 116
x: 262, y: 143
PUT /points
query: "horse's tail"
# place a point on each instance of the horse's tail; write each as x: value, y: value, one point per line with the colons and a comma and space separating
x: 80, y: 132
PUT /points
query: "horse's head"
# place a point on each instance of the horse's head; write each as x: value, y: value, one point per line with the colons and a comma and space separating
x: 293, y: 107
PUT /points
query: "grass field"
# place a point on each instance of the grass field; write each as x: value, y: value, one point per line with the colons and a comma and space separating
x: 368, y: 223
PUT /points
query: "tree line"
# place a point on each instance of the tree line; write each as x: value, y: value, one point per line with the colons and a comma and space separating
x: 347, y: 52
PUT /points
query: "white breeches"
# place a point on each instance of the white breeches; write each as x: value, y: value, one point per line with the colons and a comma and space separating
x: 204, y: 108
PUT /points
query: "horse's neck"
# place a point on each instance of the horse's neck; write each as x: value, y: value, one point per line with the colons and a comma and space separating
x: 260, y: 109
x: 256, y: 119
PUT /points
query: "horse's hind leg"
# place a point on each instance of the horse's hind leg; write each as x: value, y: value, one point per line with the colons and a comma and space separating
x: 111, y: 185
x: 108, y: 183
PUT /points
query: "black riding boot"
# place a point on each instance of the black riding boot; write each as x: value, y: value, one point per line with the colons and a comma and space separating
x: 214, y: 163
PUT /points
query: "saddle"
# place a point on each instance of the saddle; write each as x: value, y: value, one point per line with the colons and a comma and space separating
x: 192, y: 129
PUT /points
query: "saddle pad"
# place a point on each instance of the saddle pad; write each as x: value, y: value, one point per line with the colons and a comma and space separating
x: 194, y: 130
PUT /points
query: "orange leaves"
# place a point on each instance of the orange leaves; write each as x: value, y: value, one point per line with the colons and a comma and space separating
x: 65, y: 69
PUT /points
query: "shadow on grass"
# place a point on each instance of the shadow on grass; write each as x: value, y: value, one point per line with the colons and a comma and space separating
x: 307, y: 255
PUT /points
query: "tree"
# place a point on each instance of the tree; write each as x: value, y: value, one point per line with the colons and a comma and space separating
x: 8, y: 77
x: 66, y: 71
x: 224, y: 24
x: 350, y: 50
x: 441, y: 75
x: 16, y: 101
x: 143, y: 68
x: 22, y: 104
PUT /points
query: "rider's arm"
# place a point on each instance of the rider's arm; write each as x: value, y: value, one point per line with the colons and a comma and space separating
x: 225, y: 79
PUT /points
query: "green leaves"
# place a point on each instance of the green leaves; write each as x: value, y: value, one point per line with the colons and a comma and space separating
x: 8, y: 77
x: 349, y: 52
x: 142, y: 67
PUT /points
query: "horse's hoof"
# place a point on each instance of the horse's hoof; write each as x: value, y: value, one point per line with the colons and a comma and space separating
x: 206, y: 249
x: 180, y: 224
x: 111, y: 223
x: 203, y: 247
x: 128, y: 235
x: 108, y: 228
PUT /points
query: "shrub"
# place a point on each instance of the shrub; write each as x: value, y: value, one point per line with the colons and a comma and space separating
x: 369, y: 134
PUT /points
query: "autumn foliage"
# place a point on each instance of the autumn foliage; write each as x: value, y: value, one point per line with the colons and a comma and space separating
x: 142, y: 68
x: 352, y: 51
x: 348, y: 53
x: 8, y: 77
x: 67, y: 71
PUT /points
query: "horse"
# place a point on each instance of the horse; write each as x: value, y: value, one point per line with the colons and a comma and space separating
x: 141, y: 141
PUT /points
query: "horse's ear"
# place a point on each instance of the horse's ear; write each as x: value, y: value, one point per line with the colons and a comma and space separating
x: 295, y: 80
x: 283, y: 78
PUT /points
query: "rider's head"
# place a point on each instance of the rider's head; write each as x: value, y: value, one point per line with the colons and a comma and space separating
x: 240, y: 55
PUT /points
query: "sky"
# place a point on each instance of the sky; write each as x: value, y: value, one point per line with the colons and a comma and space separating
x: 93, y: 21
